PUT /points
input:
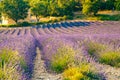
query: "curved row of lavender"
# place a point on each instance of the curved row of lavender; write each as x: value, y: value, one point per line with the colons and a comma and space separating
x: 22, y: 41
x: 52, y: 36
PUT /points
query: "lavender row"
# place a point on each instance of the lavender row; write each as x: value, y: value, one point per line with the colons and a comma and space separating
x: 97, y: 29
x: 25, y: 45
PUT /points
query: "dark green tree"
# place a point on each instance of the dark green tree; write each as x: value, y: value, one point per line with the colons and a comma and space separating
x: 15, y: 9
x: 78, y: 5
x: 107, y: 4
x: 110, y: 4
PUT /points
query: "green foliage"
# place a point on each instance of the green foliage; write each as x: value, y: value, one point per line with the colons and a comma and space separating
x: 64, y: 61
x: 63, y: 57
x: 9, y: 61
x: 66, y: 7
x: 91, y: 76
x: 103, y: 5
x: 15, y: 9
x: 18, y: 9
x: 38, y: 8
x: 94, y: 48
x: 65, y: 17
x: 52, y: 7
x: 117, y: 5
x: 70, y: 17
x: 24, y: 23
x: 110, y: 57
x: 104, y: 54
x: 110, y: 4
x: 77, y: 5
x: 107, y: 5
x: 86, y: 7
x: 0, y: 11
x: 102, y: 17
x: 109, y: 17
x: 0, y: 17
x: 19, y: 24
x: 90, y: 7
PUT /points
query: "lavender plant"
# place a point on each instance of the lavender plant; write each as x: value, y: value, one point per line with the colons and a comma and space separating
x: 62, y: 58
x: 9, y: 64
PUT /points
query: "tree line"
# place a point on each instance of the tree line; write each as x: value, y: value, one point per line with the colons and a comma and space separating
x: 18, y: 9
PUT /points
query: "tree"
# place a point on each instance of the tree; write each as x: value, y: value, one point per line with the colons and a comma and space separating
x: 15, y: 9
x: 90, y: 7
x: 0, y: 11
x: 38, y: 8
x: 110, y: 4
x: 0, y: 17
x: 117, y: 5
x: 54, y: 9
x: 66, y: 7
x: 51, y: 7
x: 95, y: 6
x: 86, y: 7
x: 78, y: 5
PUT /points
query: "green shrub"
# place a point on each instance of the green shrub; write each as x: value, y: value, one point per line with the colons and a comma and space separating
x: 117, y: 5
x: 55, y: 20
x: 78, y: 17
x: 104, y: 54
x: 25, y: 23
x: 94, y: 48
x: 9, y: 61
x: 110, y: 57
x: 23, y: 65
x: 90, y: 75
x: 70, y: 17
x: 63, y: 57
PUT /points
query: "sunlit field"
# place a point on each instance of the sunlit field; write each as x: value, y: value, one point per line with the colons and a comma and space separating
x: 77, y: 50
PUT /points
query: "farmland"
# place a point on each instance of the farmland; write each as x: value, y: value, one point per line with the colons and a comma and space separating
x: 74, y: 44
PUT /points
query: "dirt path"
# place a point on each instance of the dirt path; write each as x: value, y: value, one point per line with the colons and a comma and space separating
x: 40, y: 72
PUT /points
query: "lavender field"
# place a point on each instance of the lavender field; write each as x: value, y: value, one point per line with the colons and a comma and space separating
x: 73, y: 50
